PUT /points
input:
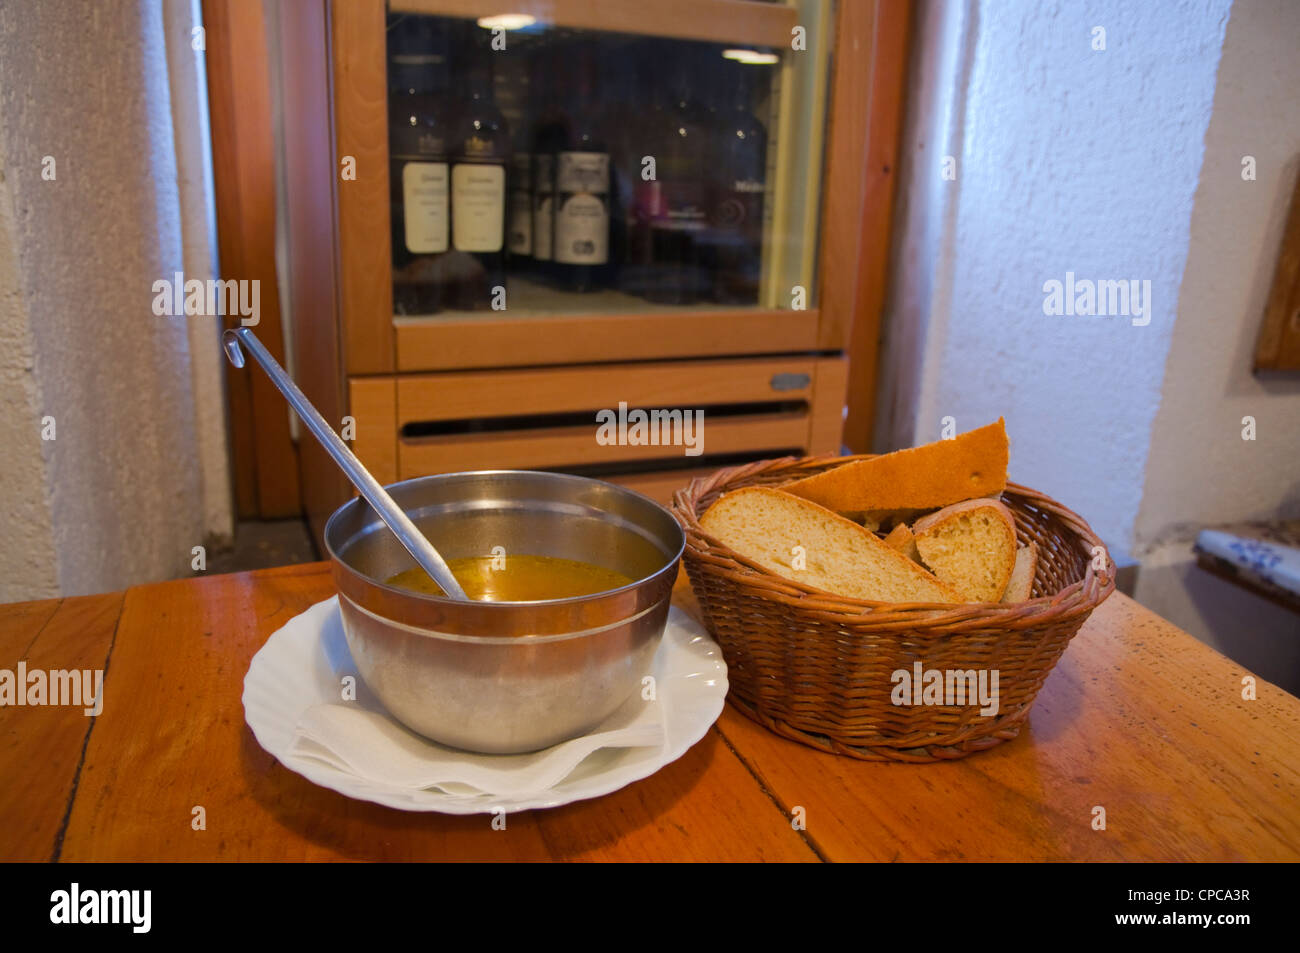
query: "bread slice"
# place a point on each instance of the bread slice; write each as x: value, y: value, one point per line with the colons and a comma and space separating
x: 936, y: 474
x: 839, y: 556
x: 971, y: 546
x: 1021, y: 586
x: 901, y: 539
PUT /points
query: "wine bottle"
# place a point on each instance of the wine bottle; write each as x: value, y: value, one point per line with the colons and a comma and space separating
x: 480, y: 155
x: 618, y: 83
x: 675, y: 204
x: 637, y: 167
x: 516, y: 99
x: 738, y: 165
x: 521, y: 210
x: 419, y: 174
x: 546, y: 134
x: 582, y: 186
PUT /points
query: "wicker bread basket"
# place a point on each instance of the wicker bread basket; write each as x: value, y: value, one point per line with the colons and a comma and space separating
x: 819, y: 668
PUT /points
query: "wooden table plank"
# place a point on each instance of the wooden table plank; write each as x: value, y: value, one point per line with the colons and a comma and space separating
x: 175, y: 738
x: 1138, y: 718
x: 41, y: 746
x: 20, y: 623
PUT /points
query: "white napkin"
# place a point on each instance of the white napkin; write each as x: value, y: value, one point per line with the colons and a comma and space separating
x: 372, y: 745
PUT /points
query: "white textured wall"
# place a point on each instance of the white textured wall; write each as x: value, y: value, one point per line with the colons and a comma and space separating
x: 921, y: 253
x: 1199, y: 471
x: 1068, y: 159
x: 188, y: 89
x: 28, y: 563
x: 120, y: 496
x: 1117, y: 164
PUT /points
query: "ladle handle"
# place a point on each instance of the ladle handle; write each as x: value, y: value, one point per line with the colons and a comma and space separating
x: 374, y: 494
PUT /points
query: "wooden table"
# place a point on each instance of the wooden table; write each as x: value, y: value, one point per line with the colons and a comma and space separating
x: 1138, y: 718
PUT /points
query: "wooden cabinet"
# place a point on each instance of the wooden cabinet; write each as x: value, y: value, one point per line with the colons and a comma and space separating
x: 519, y: 388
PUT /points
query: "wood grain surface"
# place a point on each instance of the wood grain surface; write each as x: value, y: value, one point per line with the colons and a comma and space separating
x: 493, y: 340
x: 1278, y: 346
x: 360, y: 97
x: 891, y: 41
x: 299, y: 32
x: 560, y: 447
x: 265, y: 457
x: 175, y: 739
x: 41, y: 747
x: 1138, y: 718
x: 725, y: 21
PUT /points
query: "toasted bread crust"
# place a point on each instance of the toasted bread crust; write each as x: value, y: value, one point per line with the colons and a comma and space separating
x: 1021, y: 586
x: 927, y: 523
x: 936, y: 474
x: 901, y: 539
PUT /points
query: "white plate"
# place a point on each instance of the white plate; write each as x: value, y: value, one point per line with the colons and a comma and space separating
x: 301, y: 665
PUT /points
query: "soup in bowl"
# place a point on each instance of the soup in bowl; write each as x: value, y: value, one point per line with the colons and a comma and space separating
x: 572, y: 578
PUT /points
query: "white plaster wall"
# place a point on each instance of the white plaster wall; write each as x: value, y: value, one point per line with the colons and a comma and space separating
x: 28, y: 563
x: 122, y: 484
x: 1068, y: 159
x: 188, y: 89
x: 1200, y: 472
x: 925, y: 208
x: 1117, y: 164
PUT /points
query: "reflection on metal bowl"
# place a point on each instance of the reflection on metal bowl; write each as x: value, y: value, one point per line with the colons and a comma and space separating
x: 506, y: 677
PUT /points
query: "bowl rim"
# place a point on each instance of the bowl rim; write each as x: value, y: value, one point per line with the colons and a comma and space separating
x: 670, y: 563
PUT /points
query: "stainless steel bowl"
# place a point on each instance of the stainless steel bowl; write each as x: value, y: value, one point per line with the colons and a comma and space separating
x: 506, y: 677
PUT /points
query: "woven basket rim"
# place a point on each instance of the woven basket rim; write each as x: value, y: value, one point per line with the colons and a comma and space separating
x: 1078, y: 598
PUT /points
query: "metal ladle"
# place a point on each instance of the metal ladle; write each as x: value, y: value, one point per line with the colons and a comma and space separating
x: 374, y: 494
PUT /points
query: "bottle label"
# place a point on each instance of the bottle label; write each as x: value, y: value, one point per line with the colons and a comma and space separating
x: 582, y: 208
x: 543, y: 205
x: 582, y: 172
x: 478, y: 205
x: 521, y: 205
x: 424, y: 207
